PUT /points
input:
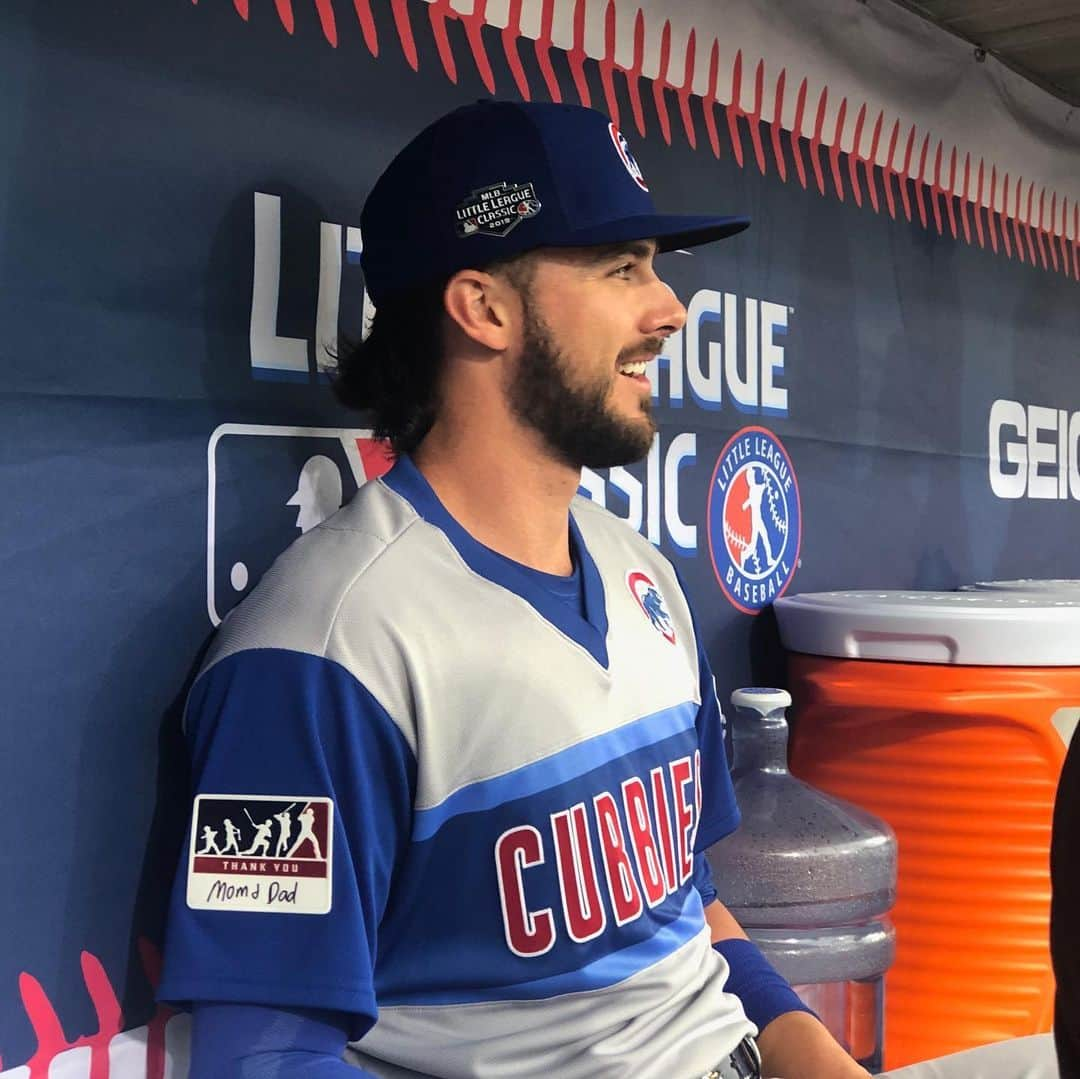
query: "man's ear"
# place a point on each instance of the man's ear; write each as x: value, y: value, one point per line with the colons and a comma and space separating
x: 484, y: 307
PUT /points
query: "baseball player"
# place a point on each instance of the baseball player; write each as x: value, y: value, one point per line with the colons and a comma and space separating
x: 520, y: 763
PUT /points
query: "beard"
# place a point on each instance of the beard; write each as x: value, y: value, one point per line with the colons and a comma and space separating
x: 575, y: 421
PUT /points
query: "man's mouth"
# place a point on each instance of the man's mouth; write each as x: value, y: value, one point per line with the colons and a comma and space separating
x: 633, y: 368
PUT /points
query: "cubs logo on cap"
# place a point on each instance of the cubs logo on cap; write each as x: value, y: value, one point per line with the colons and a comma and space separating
x: 622, y: 148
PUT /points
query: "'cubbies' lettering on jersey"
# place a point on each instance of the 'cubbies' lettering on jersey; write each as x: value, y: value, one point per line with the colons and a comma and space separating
x: 613, y: 858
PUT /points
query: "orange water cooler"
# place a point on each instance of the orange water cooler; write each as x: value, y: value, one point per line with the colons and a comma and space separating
x: 948, y: 715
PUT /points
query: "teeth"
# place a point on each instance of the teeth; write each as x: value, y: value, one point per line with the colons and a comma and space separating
x: 636, y: 368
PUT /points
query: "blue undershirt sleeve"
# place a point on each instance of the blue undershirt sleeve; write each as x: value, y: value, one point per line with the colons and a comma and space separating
x: 244, y: 1041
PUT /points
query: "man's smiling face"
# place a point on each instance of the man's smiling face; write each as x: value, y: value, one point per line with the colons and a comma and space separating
x: 591, y: 319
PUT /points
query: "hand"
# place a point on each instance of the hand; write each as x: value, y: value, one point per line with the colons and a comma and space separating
x: 797, y: 1046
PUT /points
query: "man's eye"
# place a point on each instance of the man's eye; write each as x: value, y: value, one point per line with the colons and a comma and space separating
x: 623, y: 270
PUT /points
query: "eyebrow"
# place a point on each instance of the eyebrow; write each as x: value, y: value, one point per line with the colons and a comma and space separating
x: 641, y: 249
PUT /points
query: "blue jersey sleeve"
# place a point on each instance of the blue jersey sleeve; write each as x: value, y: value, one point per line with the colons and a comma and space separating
x: 304, y: 791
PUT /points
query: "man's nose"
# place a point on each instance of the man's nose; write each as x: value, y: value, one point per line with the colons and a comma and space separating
x: 666, y: 315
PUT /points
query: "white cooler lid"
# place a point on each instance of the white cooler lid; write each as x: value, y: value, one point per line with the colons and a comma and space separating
x: 1026, y: 584
x: 981, y: 628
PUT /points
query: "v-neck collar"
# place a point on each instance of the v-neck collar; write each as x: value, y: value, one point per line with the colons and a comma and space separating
x: 590, y: 632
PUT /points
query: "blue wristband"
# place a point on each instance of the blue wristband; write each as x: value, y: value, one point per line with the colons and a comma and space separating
x: 764, y: 992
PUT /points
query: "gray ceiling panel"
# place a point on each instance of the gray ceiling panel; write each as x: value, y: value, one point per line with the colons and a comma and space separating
x: 1038, y: 38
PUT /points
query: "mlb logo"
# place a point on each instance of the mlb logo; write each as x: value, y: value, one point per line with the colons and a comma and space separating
x: 265, y: 853
x: 267, y: 485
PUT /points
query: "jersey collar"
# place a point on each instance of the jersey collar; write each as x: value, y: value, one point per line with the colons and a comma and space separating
x: 406, y: 480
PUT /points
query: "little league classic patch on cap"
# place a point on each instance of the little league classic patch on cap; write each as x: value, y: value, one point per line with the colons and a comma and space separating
x: 498, y: 178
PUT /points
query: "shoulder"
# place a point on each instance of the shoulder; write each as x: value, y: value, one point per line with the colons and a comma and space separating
x: 296, y: 603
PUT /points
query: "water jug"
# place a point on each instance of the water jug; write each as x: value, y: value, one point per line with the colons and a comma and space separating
x: 810, y: 878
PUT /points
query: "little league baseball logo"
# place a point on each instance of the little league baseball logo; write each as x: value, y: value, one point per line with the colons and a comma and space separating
x: 753, y: 519
x: 644, y: 590
x: 258, y: 852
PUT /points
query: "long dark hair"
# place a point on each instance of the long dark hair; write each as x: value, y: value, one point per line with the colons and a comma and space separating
x: 394, y: 372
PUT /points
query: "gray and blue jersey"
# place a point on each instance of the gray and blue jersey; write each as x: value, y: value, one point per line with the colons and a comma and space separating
x: 431, y: 794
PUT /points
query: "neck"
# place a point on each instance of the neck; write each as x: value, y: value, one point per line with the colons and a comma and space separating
x: 504, y: 488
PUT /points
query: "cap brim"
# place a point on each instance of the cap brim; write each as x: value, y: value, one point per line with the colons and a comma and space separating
x: 671, y: 231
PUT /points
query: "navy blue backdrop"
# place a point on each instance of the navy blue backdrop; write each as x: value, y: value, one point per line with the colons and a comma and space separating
x: 844, y: 360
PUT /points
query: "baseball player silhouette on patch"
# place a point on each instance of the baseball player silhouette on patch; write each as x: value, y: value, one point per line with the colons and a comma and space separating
x: 262, y: 837
x: 307, y: 820
x: 284, y: 818
x: 209, y: 841
x: 232, y: 836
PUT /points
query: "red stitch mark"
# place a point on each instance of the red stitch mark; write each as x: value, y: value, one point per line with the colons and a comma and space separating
x: 950, y: 193
x: 660, y: 83
x: 634, y: 72
x: 905, y: 173
x: 474, y: 25
x: 775, y: 126
x: 45, y: 1024
x: 367, y: 25
x: 1042, y: 229
x: 1076, y: 240
x: 438, y: 12
x: 1027, y: 225
x: 815, y: 141
x: 795, y: 134
x: 285, y: 14
x: 996, y: 217
x: 241, y: 8
x: 107, y: 1010
x: 542, y: 45
x: 920, y: 183
x: 1062, y: 238
x: 887, y: 171
x: 576, y: 54
x: 935, y: 188
x: 1016, y: 217
x: 708, y: 102
x: 854, y: 158
x: 870, y: 163
x: 734, y: 109
x: 327, y: 21
x: 965, y: 199
x: 400, y: 9
x: 834, y: 150
x: 755, y: 117
x: 1039, y: 229
x: 683, y: 92
x: 607, y: 64
x: 510, y: 34
x: 978, y: 207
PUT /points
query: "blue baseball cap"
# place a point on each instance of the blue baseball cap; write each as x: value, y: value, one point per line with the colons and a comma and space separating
x: 498, y: 178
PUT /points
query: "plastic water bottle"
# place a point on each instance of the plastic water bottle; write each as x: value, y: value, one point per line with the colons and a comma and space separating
x: 810, y: 878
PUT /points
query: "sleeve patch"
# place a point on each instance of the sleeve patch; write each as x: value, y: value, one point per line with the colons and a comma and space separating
x: 261, y: 853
